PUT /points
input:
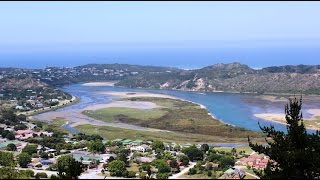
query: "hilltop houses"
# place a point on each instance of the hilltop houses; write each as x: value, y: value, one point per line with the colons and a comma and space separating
x: 256, y: 161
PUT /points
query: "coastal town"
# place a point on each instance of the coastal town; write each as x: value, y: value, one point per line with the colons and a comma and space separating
x: 38, y: 149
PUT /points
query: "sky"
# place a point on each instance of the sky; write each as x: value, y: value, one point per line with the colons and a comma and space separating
x: 184, y: 34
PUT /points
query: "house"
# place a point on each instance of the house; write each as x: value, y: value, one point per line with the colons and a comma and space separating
x: 255, y: 161
x: 111, y: 149
x: 19, y: 108
x: 145, y: 159
x: 46, y: 162
x: 24, y: 134
x: 142, y: 148
x: 233, y: 173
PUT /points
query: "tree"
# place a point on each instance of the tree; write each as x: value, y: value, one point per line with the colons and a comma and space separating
x: 68, y: 167
x: 30, y: 149
x: 10, y: 136
x: 184, y: 159
x: 234, y: 151
x: 11, y: 147
x: 96, y: 146
x: 295, y: 154
x: 226, y: 161
x: 177, y: 147
x: 204, y: 147
x: 44, y: 155
x: 145, y: 167
x: 7, y: 159
x: 117, y: 168
x: 174, y: 165
x: 157, y: 145
x: 193, y: 153
x: 24, y: 159
x: 162, y: 166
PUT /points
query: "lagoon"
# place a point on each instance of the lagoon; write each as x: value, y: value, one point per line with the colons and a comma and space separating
x: 231, y: 108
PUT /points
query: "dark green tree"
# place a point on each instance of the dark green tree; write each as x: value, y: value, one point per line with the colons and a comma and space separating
x: 295, y: 154
x: 193, y: 153
x: 68, y: 167
x: 11, y: 147
x: 157, y: 145
x: 117, y: 168
x: 30, y: 149
x: 204, y: 147
x: 10, y: 136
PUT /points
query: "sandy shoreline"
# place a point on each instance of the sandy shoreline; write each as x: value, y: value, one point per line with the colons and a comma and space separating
x: 106, y: 83
x: 280, y: 117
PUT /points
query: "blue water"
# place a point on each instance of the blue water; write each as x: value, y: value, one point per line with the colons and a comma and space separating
x: 235, y: 109
x: 177, y: 57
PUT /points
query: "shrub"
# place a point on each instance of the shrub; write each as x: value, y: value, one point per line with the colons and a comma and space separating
x: 162, y: 175
x: 131, y: 174
x: 41, y: 175
x: 54, y: 177
x: 192, y: 171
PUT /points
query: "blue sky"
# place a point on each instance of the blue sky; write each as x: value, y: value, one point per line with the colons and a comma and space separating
x: 68, y: 27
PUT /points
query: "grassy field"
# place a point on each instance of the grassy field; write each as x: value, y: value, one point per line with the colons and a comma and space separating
x: 55, y: 124
x: 174, y: 115
x: 111, y: 114
x: 179, y: 137
x: 247, y: 149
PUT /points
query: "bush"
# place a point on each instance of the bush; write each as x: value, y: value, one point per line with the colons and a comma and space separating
x: 162, y: 175
x: 30, y: 149
x: 41, y: 175
x: 209, y: 173
x: 54, y: 177
x: 10, y: 136
x: 34, y: 155
x: 131, y: 174
x: 192, y: 171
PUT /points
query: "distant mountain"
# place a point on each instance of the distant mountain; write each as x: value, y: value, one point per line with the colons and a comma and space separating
x: 232, y: 77
x: 303, y: 69
x: 235, y: 77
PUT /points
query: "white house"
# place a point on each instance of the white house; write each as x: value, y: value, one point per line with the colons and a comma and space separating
x: 142, y: 148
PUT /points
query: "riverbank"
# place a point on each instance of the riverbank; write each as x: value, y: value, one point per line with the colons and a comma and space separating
x: 312, y: 123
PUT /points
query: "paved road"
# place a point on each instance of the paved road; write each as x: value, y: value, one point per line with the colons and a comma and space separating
x: 185, y: 170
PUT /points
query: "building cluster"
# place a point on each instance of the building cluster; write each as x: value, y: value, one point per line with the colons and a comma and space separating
x: 255, y: 161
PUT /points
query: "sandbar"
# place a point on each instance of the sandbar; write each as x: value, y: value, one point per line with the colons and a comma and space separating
x: 136, y: 94
x: 107, y: 83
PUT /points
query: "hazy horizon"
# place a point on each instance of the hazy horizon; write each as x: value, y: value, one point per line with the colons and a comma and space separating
x: 178, y: 34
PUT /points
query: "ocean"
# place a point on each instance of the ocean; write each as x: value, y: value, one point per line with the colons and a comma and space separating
x: 187, y: 58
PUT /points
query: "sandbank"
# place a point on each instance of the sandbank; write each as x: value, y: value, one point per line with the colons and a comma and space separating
x: 106, y: 83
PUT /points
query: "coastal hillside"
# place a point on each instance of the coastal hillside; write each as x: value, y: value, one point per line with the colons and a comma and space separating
x: 232, y: 77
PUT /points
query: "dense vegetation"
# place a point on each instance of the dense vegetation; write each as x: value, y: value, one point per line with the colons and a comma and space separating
x: 295, y: 154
